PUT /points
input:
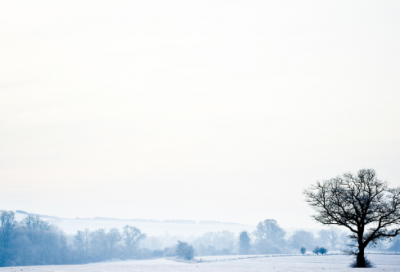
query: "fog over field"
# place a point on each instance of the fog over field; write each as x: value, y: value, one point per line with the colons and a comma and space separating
x: 176, y: 130
x: 151, y: 227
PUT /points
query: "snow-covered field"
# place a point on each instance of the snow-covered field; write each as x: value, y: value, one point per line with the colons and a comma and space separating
x: 229, y: 263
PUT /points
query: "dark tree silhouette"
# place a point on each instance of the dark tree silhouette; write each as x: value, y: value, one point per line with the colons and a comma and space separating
x: 361, y: 203
x: 323, y: 250
x: 316, y: 250
x: 244, y: 243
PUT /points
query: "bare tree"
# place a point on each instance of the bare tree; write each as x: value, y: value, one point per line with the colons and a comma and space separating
x: 86, y: 241
x: 270, y: 237
x: 357, y: 202
x: 36, y: 227
x: 269, y: 230
x: 244, y: 243
x: 34, y: 223
x: 8, y: 225
x: 79, y: 242
x: 99, y: 244
x: 113, y: 237
x: 132, y: 236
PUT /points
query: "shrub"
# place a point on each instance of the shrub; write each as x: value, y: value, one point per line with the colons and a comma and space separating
x: 303, y: 250
x: 320, y: 250
x: 316, y: 250
x: 184, y: 250
x: 323, y: 250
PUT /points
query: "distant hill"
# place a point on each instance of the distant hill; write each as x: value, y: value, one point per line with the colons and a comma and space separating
x: 40, y: 215
x: 174, y: 221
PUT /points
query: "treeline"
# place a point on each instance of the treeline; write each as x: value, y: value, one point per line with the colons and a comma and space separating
x: 268, y: 238
x: 35, y: 242
x: 31, y: 242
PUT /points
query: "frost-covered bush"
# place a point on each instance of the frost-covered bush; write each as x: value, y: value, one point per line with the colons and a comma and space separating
x: 184, y: 250
x: 320, y: 250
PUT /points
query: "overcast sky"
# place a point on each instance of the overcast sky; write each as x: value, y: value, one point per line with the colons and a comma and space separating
x: 201, y: 110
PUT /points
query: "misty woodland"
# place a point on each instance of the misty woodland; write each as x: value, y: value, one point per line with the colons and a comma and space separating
x: 366, y: 208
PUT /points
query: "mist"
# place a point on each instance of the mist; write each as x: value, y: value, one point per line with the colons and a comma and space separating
x: 131, y: 109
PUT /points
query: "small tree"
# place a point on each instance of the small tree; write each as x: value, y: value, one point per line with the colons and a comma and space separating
x: 303, y: 250
x: 35, y: 228
x: 132, y: 237
x: 269, y: 230
x: 113, y: 237
x: 34, y: 223
x: 270, y: 237
x: 357, y: 202
x: 99, y: 244
x: 7, y: 230
x: 79, y: 242
x: 184, y: 250
x: 323, y: 250
x: 316, y: 250
x: 86, y: 241
x: 244, y: 243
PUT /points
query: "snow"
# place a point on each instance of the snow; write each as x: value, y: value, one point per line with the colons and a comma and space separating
x: 275, y: 263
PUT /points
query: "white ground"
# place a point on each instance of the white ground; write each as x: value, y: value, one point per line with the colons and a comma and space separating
x: 228, y: 264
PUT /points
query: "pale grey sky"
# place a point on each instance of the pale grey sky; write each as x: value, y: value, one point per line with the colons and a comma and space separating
x: 202, y: 110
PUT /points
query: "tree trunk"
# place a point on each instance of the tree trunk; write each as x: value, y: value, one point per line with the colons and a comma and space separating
x: 360, y: 257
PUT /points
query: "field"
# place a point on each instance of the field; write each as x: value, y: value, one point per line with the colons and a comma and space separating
x: 229, y: 263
